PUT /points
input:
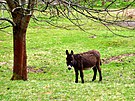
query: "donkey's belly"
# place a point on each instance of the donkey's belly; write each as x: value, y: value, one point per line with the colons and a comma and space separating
x: 88, y: 68
x: 88, y: 64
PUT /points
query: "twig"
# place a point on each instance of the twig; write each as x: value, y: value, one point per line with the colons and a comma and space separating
x: 5, y: 19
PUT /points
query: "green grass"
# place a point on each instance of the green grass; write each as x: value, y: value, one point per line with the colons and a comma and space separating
x: 46, y: 47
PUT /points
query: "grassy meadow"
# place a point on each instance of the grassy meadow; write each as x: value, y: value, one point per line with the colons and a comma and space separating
x: 46, y: 47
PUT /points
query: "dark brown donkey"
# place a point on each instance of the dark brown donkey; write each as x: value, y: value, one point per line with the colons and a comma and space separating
x: 84, y: 61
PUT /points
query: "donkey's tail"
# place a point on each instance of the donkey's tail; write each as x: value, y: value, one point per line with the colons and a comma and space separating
x: 100, y: 62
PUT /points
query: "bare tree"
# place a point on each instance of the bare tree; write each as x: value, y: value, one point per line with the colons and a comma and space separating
x: 22, y: 10
x: 105, y: 15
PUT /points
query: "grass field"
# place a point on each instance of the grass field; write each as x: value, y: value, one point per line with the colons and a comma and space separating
x: 46, y: 47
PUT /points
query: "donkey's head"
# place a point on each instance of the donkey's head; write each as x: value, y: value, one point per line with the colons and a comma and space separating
x: 69, y: 59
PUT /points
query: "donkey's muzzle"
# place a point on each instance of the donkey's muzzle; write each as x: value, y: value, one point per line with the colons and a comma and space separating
x: 69, y: 67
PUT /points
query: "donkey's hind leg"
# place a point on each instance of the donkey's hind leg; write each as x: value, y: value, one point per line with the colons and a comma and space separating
x: 95, y: 73
x: 100, y: 74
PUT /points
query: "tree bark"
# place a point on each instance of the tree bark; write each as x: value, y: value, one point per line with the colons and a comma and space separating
x: 19, y: 40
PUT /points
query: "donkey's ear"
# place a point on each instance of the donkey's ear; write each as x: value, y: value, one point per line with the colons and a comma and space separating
x: 72, y: 52
x: 67, y: 52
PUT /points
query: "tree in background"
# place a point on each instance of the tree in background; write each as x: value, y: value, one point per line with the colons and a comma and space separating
x: 21, y: 11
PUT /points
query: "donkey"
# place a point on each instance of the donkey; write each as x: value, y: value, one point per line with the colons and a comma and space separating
x: 84, y: 61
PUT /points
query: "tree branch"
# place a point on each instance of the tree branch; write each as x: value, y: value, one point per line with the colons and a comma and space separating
x: 5, y: 19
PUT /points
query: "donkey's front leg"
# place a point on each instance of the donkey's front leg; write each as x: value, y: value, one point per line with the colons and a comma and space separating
x: 95, y: 73
x: 76, y: 76
x: 81, y: 75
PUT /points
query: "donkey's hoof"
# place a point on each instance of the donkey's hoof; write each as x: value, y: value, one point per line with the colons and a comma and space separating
x: 76, y: 81
x: 100, y: 80
x: 83, y: 82
x: 93, y: 79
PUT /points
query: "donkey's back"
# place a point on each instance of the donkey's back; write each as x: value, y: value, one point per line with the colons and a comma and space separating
x: 91, y: 52
x: 90, y: 59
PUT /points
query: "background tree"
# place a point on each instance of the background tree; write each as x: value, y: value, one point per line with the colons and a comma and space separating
x: 22, y: 10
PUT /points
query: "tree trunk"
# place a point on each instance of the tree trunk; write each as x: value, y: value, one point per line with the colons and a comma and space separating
x: 19, y: 40
x: 21, y: 16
